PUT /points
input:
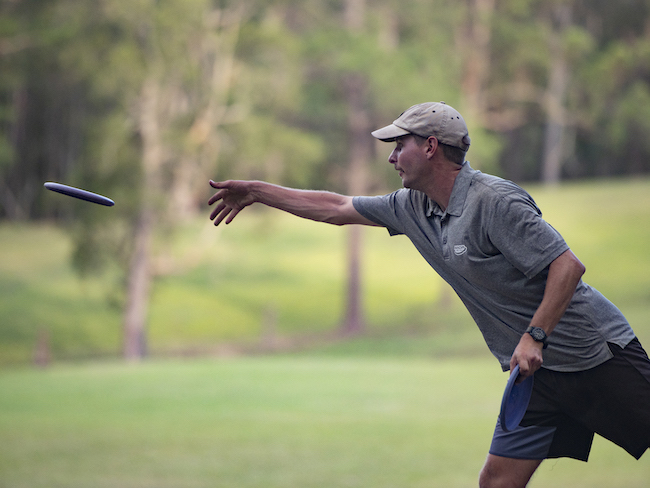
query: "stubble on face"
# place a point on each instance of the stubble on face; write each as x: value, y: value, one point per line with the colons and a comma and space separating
x: 407, y: 160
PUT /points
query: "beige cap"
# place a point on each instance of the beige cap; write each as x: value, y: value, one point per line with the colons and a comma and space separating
x: 429, y: 119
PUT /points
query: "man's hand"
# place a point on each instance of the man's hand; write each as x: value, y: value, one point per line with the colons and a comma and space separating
x: 232, y: 197
x: 528, y: 355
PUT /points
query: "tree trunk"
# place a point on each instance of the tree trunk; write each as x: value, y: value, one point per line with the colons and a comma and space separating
x: 138, y: 290
x: 354, y: 322
x: 359, y: 156
x: 556, y: 113
x: 177, y: 196
x: 474, y: 39
x: 140, y: 269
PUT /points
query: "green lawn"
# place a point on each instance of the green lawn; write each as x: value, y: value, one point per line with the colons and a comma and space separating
x: 274, y: 422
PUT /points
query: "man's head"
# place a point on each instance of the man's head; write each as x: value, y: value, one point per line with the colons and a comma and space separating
x: 429, y: 119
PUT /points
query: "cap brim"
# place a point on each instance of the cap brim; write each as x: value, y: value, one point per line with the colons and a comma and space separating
x: 389, y: 133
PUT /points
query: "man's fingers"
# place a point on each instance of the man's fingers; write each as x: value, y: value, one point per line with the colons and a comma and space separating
x: 217, y: 210
x: 219, y: 184
x: 222, y: 186
x: 222, y: 215
x: 520, y: 378
x: 514, y: 360
x: 232, y: 214
x: 527, y: 367
x: 221, y: 212
x: 217, y: 196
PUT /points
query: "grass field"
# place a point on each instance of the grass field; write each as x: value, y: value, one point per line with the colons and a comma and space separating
x: 273, y: 422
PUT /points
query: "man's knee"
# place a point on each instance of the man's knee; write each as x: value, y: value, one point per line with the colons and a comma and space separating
x: 489, y: 477
x: 499, y: 472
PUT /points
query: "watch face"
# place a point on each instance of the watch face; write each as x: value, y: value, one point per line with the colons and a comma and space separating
x: 538, y: 334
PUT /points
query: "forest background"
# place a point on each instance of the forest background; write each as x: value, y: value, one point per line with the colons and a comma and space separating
x: 146, y: 100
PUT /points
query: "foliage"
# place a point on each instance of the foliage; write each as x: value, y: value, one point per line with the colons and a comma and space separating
x: 145, y: 100
x: 82, y: 64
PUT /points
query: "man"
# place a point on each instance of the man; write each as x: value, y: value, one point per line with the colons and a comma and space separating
x: 517, y: 277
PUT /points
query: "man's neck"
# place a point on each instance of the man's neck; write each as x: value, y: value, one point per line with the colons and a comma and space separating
x: 443, y: 184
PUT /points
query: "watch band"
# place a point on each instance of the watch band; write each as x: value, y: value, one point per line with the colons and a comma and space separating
x: 538, y: 334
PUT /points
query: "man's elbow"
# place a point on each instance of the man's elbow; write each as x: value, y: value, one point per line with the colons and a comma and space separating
x: 335, y: 220
x: 338, y: 214
x: 344, y: 213
x: 344, y: 219
x: 577, y: 267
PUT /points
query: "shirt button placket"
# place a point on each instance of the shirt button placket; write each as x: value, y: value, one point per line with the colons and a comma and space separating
x: 443, y: 230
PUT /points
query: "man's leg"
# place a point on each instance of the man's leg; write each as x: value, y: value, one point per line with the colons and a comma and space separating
x: 503, y: 472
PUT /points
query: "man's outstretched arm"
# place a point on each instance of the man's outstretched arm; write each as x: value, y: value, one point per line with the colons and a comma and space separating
x: 322, y: 206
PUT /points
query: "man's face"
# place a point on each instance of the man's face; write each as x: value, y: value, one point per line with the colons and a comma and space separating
x: 410, y: 160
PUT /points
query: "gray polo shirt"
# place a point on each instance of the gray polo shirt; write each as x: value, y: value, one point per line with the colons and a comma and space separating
x: 493, y: 247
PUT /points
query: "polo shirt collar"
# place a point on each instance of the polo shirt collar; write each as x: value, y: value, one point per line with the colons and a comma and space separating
x: 458, y: 194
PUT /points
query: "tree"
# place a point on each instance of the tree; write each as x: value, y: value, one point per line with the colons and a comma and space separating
x: 474, y: 39
x: 176, y: 73
x: 555, y: 100
x: 42, y: 109
x: 155, y: 67
x: 611, y: 92
x: 358, y: 123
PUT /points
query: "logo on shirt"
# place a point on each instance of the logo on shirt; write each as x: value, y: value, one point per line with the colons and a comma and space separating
x: 460, y: 249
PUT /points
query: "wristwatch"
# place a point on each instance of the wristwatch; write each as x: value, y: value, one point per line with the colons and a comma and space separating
x: 538, y: 334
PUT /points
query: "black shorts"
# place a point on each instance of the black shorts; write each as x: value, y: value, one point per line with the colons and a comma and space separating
x: 566, y: 409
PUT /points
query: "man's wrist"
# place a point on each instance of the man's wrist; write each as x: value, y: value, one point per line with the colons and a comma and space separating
x: 261, y: 192
x: 539, y: 335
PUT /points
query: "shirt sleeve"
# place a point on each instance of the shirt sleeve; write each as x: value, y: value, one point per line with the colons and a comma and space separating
x: 383, y: 210
x: 520, y: 233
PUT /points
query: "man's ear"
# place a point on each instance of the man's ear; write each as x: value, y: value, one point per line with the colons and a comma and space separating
x: 431, y: 146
